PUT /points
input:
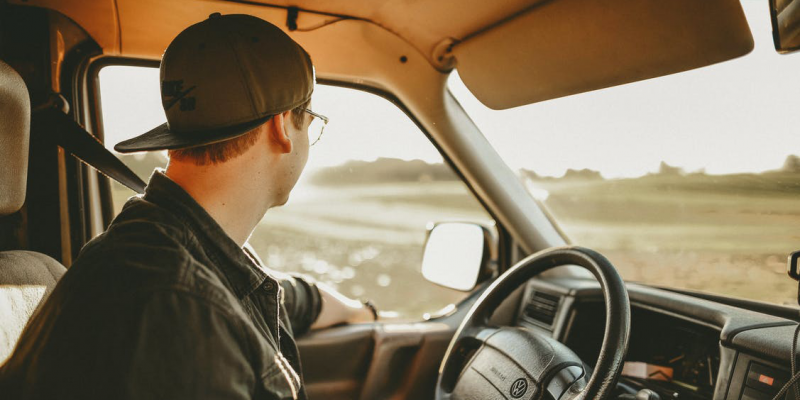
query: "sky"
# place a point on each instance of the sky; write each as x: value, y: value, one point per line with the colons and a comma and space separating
x: 362, y: 126
x: 737, y: 116
x: 742, y: 115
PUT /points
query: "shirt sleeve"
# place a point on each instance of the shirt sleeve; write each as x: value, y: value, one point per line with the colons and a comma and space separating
x: 186, y: 348
x: 302, y: 300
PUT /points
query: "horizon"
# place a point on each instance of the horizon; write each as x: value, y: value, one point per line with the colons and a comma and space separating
x: 667, y: 168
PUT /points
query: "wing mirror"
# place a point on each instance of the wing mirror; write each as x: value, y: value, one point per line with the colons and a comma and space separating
x: 785, y: 24
x: 459, y: 255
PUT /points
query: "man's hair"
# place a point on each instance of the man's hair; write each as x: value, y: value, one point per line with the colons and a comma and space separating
x: 223, y: 151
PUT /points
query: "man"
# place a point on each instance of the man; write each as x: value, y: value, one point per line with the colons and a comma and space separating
x: 169, y: 302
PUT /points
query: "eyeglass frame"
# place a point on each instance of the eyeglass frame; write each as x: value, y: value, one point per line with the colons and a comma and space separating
x: 324, y: 123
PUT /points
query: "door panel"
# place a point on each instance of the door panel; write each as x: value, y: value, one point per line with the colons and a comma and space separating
x: 335, y: 361
x: 387, y: 361
x: 374, y: 361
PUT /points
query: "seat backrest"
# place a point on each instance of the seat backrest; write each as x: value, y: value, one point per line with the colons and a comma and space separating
x: 26, y: 277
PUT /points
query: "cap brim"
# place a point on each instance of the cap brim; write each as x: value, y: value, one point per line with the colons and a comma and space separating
x: 161, y: 138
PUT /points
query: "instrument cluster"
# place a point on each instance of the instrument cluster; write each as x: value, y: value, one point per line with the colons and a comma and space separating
x: 672, y: 356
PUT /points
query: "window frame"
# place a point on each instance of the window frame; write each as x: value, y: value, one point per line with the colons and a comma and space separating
x: 505, y: 242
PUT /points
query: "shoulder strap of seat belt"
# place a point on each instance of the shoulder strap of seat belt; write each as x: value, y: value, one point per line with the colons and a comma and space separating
x: 53, y: 123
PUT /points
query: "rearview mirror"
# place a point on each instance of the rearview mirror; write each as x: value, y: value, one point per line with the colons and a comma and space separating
x: 457, y: 255
x: 785, y: 24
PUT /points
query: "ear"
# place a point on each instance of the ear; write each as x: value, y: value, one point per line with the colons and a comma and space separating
x: 278, y: 132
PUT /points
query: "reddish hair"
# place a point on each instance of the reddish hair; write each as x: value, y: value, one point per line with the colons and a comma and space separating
x: 223, y: 151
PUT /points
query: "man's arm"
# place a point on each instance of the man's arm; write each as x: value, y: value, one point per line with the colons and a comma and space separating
x: 339, y: 309
x: 313, y: 305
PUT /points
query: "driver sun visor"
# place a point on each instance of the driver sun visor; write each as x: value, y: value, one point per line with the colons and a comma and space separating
x: 563, y: 47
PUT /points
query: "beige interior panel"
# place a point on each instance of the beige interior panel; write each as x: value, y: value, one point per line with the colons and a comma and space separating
x: 148, y: 26
x: 97, y: 17
x: 565, y: 47
x: 423, y: 24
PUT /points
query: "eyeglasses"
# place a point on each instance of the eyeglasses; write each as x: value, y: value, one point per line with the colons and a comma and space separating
x: 316, y: 127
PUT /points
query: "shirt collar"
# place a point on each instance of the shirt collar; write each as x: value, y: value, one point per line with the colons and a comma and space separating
x: 241, y: 271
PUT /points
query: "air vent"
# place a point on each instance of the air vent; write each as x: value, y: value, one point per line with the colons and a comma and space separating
x: 542, y: 308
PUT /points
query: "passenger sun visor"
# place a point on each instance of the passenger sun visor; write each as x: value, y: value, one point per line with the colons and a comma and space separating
x: 563, y: 47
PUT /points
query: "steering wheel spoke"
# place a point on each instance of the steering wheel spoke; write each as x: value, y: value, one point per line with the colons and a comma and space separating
x: 515, y: 363
x: 479, y: 333
x: 470, y: 342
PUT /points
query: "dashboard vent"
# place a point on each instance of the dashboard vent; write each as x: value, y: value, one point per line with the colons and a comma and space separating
x: 542, y: 308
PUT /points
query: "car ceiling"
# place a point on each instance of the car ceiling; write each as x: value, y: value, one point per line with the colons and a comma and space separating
x: 559, y: 47
x: 424, y: 24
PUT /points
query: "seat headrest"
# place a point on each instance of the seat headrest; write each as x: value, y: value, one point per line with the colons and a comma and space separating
x: 15, y: 120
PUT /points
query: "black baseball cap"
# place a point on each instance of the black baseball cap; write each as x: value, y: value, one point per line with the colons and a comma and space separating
x: 223, y: 77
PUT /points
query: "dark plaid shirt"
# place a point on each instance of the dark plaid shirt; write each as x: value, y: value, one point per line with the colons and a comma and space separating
x: 164, y: 305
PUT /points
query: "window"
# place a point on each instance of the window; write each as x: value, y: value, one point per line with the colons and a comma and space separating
x: 357, y: 218
x: 687, y: 181
x: 131, y: 105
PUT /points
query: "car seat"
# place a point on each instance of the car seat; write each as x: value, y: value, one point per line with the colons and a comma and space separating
x: 26, y: 277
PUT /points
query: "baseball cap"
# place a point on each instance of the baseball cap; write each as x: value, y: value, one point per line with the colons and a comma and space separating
x: 223, y: 77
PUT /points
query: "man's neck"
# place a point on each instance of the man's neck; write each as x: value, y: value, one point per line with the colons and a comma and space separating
x: 237, y: 203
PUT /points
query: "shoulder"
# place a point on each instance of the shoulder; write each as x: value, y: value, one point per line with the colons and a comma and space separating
x: 146, y: 247
x: 143, y: 222
x: 141, y: 238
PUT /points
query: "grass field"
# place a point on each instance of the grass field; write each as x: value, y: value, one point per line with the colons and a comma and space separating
x: 366, y: 241
x: 723, y: 234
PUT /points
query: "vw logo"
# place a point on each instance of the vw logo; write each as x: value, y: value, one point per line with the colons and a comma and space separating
x: 518, y: 388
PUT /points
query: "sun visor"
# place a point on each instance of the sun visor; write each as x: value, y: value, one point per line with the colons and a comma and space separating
x: 564, y: 47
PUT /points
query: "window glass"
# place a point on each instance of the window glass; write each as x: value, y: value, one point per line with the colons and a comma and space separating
x: 357, y: 218
x: 130, y: 104
x: 688, y: 181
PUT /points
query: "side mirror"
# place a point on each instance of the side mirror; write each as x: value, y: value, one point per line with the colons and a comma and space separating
x: 458, y: 255
x: 785, y: 24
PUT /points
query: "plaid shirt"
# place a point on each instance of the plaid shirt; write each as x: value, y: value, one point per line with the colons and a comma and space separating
x: 164, y: 305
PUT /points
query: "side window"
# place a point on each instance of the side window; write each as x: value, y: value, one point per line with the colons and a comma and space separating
x: 130, y: 103
x: 357, y: 218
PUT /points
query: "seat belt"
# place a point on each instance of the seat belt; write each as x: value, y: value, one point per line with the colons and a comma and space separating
x: 52, y: 122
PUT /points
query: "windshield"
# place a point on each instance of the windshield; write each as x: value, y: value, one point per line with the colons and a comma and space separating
x: 688, y: 181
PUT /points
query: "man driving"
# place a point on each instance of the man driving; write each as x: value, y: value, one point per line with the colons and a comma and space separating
x: 170, y: 302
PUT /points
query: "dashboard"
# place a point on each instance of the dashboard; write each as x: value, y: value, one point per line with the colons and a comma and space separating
x: 681, y: 347
x: 666, y: 354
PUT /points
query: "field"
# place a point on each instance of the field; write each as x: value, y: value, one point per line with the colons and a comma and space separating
x: 723, y: 234
x: 366, y: 240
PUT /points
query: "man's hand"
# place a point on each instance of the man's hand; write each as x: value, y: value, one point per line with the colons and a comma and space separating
x: 338, y: 309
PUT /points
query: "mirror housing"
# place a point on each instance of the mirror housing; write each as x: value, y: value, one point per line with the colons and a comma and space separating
x: 785, y: 15
x: 458, y: 255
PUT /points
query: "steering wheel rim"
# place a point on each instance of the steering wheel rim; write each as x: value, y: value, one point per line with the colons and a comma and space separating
x: 617, y: 326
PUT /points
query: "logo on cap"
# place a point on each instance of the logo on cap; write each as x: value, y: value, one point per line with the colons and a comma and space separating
x: 518, y: 388
x: 174, y: 90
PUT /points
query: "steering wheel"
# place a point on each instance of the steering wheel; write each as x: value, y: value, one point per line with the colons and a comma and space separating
x: 485, y: 362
